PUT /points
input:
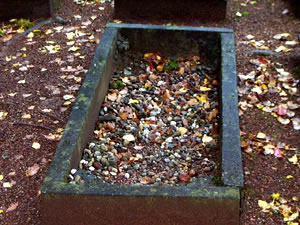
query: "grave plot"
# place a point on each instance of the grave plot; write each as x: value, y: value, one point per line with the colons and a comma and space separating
x: 122, y: 98
x: 158, y: 124
x: 211, y: 10
x: 29, y: 9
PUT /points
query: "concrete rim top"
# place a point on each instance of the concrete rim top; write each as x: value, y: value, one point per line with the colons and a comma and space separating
x: 173, y: 27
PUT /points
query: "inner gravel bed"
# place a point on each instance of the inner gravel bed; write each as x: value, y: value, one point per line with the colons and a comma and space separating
x: 158, y: 124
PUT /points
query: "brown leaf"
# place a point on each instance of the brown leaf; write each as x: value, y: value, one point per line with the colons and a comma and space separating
x: 123, y: 115
x: 212, y: 115
x: 166, y: 96
x: 192, y: 102
x: 181, y: 70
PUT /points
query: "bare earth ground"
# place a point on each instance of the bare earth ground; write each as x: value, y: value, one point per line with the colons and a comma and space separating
x: 32, y: 82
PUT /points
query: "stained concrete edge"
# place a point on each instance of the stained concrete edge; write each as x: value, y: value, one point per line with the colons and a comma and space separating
x: 232, y: 168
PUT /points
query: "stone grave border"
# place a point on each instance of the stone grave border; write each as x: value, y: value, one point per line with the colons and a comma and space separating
x: 65, y: 203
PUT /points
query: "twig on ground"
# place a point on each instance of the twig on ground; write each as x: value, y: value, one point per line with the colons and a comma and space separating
x: 6, y: 103
x: 33, y: 125
x: 50, y: 115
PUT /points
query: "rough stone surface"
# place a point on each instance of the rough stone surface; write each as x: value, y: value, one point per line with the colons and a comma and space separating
x: 95, y: 202
x: 198, y: 9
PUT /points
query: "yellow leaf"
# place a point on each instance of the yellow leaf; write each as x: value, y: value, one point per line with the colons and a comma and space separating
x: 1, y: 177
x: 146, y: 55
x: 59, y: 130
x: 30, y: 35
x: 8, y: 58
x: 26, y: 116
x: 204, y: 88
x: 207, y: 139
x: 20, y: 30
x: 147, y: 85
x: 48, y: 32
x: 263, y: 204
x: 264, y: 87
x: 70, y: 35
x: 1, y: 211
x: 36, y: 145
x: 261, y: 135
x: 275, y: 196
x: 67, y: 103
x: 289, y: 177
x: 160, y: 67
x: 133, y: 101
x: 292, y: 217
x: 3, y: 115
x: 293, y: 159
x: 182, y: 130
x: 202, y: 98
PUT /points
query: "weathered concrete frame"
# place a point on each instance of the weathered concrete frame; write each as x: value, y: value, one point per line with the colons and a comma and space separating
x: 64, y: 203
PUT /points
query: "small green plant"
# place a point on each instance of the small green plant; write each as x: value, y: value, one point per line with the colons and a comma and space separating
x: 171, y: 66
x: 117, y: 85
x: 24, y: 23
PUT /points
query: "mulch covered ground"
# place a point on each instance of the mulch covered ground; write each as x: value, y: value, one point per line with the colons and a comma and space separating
x: 41, y: 74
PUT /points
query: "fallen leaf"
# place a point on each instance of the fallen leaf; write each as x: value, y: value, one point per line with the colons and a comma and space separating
x: 279, y: 36
x: 281, y: 110
x: 3, y: 115
x: 32, y: 170
x: 36, y: 145
x: 123, y: 116
x: 283, y: 121
x: 263, y: 204
x: 206, y: 139
x: 202, y: 88
x: 7, y: 185
x: 278, y: 153
x: 12, y: 207
x: 26, y: 116
x: 112, y: 97
x: 192, y: 102
x: 293, y: 159
x: 282, y: 49
x: 261, y: 135
x: 275, y: 196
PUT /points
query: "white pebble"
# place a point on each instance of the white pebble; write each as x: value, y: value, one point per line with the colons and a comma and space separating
x: 127, y: 175
x: 73, y: 171
x: 173, y: 123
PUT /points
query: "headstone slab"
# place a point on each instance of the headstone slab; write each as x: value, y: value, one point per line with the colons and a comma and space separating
x: 96, y: 202
x: 206, y: 10
x: 28, y: 9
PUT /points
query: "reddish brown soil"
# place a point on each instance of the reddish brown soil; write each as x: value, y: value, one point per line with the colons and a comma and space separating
x: 264, y: 175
